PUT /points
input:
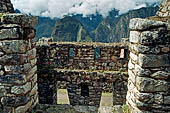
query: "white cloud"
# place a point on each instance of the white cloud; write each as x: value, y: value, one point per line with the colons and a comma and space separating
x: 58, y: 8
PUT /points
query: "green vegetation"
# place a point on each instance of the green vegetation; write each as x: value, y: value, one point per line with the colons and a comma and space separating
x: 71, y: 30
x: 125, y: 109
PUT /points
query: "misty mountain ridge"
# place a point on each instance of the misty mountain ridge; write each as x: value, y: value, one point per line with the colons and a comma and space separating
x: 96, y: 27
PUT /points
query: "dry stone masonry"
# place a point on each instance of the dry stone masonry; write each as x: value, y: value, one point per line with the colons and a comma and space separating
x: 149, y: 67
x: 76, y: 65
x: 6, y: 6
x: 18, y: 70
x: 164, y: 10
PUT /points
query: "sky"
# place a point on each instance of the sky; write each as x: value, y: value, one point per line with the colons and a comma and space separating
x: 59, y: 8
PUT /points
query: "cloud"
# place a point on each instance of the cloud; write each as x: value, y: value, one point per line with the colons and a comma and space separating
x: 59, y: 8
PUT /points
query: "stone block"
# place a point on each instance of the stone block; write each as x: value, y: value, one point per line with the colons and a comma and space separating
x: 17, y: 69
x: 134, y: 36
x: 133, y: 57
x: 14, y: 46
x: 144, y: 24
x: 139, y: 71
x: 160, y: 75
x: 145, y: 49
x: 14, y: 101
x: 149, y: 60
x: 12, y: 79
x: 166, y: 100
x: 21, y: 89
x: 159, y: 37
x: 20, y: 19
x: 14, y: 59
x: 11, y: 33
x: 150, y: 85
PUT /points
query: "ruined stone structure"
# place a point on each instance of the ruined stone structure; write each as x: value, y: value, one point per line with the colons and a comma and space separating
x: 164, y: 10
x: 83, y: 67
x: 149, y: 64
x: 6, y: 6
x: 18, y: 70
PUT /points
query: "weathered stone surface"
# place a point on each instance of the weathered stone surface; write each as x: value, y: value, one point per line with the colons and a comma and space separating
x: 139, y: 71
x: 21, y: 89
x: 17, y: 69
x: 149, y: 85
x: 11, y: 33
x: 3, y: 91
x: 148, y: 60
x: 166, y: 100
x: 158, y: 98
x: 15, y: 46
x: 12, y: 59
x: 20, y: 19
x: 164, y: 9
x: 13, y: 79
x: 134, y: 36
x: 6, y: 6
x: 145, y: 49
x: 14, y: 101
x: 160, y: 75
x: 133, y: 57
x: 144, y: 24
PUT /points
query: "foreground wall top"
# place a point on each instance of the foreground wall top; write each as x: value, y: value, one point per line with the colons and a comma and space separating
x: 6, y: 6
x: 164, y: 10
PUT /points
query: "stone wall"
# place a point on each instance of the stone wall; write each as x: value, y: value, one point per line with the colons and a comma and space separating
x: 18, y: 78
x: 149, y: 67
x: 6, y: 6
x: 112, y: 57
x: 55, y: 64
x: 164, y: 10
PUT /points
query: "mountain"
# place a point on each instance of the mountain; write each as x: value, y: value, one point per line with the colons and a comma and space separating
x: 113, y: 28
x: 95, y: 27
x: 91, y: 22
x: 70, y: 29
x: 44, y: 27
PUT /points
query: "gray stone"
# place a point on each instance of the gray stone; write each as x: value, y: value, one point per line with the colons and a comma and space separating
x: 11, y: 33
x: 17, y: 69
x: 12, y: 79
x: 145, y: 97
x: 144, y: 24
x: 160, y: 75
x: 166, y: 99
x: 148, y: 60
x: 158, y: 98
x: 21, y: 89
x: 134, y: 36
x: 3, y: 91
x: 20, y: 19
x: 12, y: 59
x: 150, y: 85
x: 145, y: 49
x: 142, y: 72
x: 133, y: 57
x: 14, y: 101
x: 14, y: 46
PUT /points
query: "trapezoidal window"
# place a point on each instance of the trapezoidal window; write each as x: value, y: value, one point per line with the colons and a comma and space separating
x: 97, y: 53
x: 71, y: 52
x: 84, y: 90
x: 123, y: 53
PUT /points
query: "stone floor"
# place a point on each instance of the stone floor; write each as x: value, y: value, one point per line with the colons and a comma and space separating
x: 75, y: 109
